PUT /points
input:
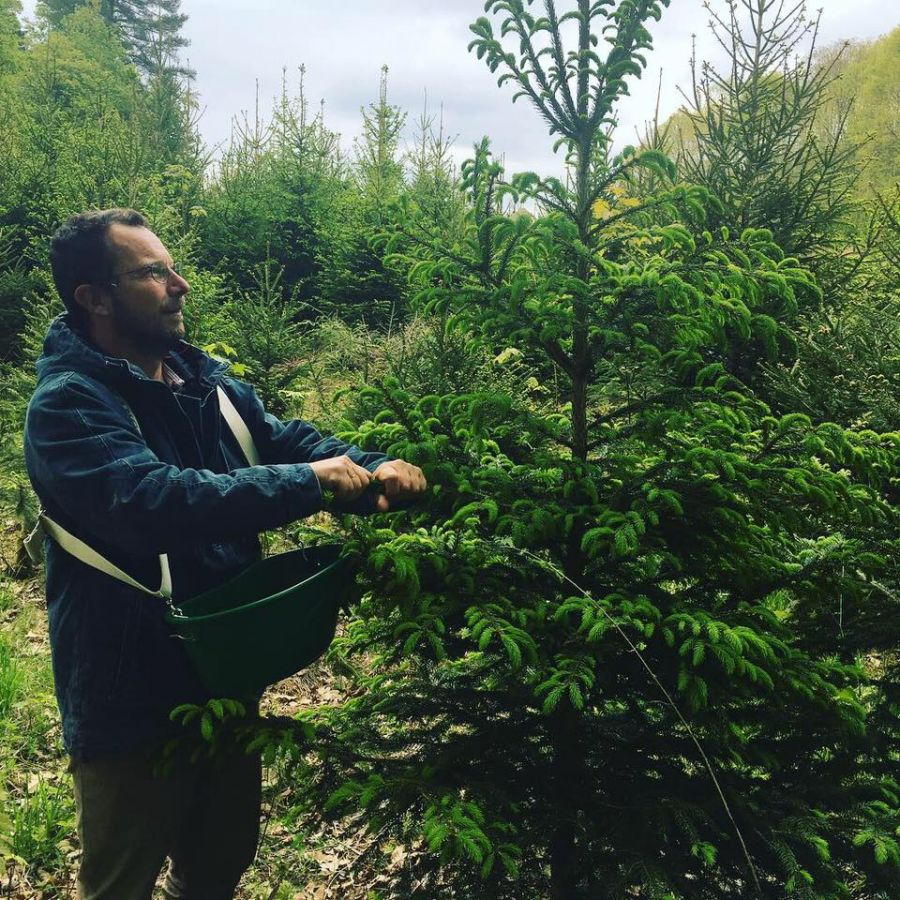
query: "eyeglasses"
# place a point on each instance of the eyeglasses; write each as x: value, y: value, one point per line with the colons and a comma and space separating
x: 158, y: 271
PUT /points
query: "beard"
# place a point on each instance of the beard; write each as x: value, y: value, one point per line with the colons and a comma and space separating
x: 154, y: 333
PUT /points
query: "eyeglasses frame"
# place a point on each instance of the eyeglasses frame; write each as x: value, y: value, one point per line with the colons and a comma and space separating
x: 170, y: 270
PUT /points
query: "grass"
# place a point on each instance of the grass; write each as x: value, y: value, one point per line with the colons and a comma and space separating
x: 11, y: 679
x: 42, y: 824
x: 37, y: 815
x: 7, y: 599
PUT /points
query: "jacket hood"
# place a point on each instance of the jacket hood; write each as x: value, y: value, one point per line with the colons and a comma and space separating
x: 66, y: 350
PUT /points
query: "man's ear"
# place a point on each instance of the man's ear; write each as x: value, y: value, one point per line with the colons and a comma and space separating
x: 94, y: 299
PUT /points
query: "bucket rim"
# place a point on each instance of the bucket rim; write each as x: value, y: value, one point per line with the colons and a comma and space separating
x: 177, y: 616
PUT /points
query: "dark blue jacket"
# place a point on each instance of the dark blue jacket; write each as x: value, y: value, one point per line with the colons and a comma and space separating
x: 178, y: 484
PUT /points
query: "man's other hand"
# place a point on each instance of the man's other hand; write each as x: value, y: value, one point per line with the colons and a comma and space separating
x: 343, y: 477
x: 400, y: 481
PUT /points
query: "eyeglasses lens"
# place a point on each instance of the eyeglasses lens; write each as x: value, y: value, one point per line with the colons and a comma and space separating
x: 161, y: 272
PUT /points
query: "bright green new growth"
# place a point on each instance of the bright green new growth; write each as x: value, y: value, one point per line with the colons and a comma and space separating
x: 504, y: 721
x: 500, y: 726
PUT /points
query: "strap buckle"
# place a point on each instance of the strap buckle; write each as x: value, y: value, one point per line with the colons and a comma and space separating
x: 34, y: 542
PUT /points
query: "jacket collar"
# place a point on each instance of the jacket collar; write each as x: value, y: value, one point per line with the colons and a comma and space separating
x: 67, y: 350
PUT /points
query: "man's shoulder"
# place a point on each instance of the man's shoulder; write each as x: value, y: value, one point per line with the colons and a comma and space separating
x: 70, y: 385
x: 67, y: 392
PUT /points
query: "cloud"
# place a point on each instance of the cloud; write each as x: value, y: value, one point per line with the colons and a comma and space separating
x: 235, y: 44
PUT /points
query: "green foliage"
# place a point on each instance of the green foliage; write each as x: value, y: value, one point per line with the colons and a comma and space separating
x: 849, y: 369
x: 151, y: 32
x: 207, y: 311
x: 432, y: 177
x: 576, y: 365
x: 80, y: 131
x: 356, y: 283
x: 55, y: 153
x: 787, y: 144
x: 378, y: 170
x: 752, y: 139
x: 752, y: 134
x: 42, y: 821
x: 867, y: 93
x: 268, y: 342
x: 10, y: 34
x: 270, y: 198
x: 10, y: 679
x: 15, y: 283
x: 635, y: 503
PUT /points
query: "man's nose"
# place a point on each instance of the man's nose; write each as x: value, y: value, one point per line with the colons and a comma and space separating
x: 178, y: 281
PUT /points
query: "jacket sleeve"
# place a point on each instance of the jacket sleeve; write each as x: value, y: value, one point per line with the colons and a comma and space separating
x: 86, y: 457
x: 297, y: 441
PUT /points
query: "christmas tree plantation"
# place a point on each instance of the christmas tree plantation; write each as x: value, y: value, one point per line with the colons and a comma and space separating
x: 578, y: 669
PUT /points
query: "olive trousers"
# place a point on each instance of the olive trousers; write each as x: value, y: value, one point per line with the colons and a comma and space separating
x: 203, y: 816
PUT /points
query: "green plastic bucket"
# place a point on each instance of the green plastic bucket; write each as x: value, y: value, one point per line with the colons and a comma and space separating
x: 268, y: 623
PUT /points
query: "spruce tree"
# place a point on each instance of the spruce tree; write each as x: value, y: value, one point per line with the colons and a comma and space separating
x: 356, y: 285
x: 433, y: 178
x: 578, y: 672
x: 274, y: 196
x: 772, y: 133
x: 379, y: 167
x: 269, y: 341
x: 754, y: 139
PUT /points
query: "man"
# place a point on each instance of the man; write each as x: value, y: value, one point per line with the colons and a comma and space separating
x: 126, y: 449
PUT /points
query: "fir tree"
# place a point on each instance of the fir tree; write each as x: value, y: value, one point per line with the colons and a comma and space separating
x: 356, y: 284
x: 379, y: 168
x: 274, y: 196
x: 775, y: 134
x: 753, y: 138
x: 433, y: 176
x: 269, y: 341
x: 579, y: 673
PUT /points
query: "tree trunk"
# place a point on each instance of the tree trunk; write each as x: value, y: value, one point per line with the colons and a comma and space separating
x: 568, y: 780
x: 566, y: 784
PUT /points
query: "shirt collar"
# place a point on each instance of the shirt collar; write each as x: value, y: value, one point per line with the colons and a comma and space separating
x: 171, y: 377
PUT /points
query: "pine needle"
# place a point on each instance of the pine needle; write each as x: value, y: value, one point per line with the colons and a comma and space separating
x: 668, y: 697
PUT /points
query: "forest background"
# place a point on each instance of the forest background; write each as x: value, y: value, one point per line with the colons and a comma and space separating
x: 657, y: 400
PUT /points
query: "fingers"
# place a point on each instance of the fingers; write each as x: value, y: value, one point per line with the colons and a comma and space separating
x: 352, y: 481
x: 343, y: 477
x: 401, y: 481
x: 346, y: 480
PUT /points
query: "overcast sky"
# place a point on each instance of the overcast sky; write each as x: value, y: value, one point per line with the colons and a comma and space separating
x: 344, y: 43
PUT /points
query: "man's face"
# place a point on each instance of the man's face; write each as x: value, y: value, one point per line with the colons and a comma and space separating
x: 144, y: 313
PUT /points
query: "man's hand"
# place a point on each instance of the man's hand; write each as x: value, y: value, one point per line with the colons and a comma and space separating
x: 343, y: 477
x: 401, y: 481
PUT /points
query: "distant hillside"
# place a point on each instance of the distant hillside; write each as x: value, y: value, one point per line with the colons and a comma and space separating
x: 870, y: 74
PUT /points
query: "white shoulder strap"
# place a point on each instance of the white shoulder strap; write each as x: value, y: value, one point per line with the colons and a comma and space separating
x: 238, y: 427
x: 86, y: 554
